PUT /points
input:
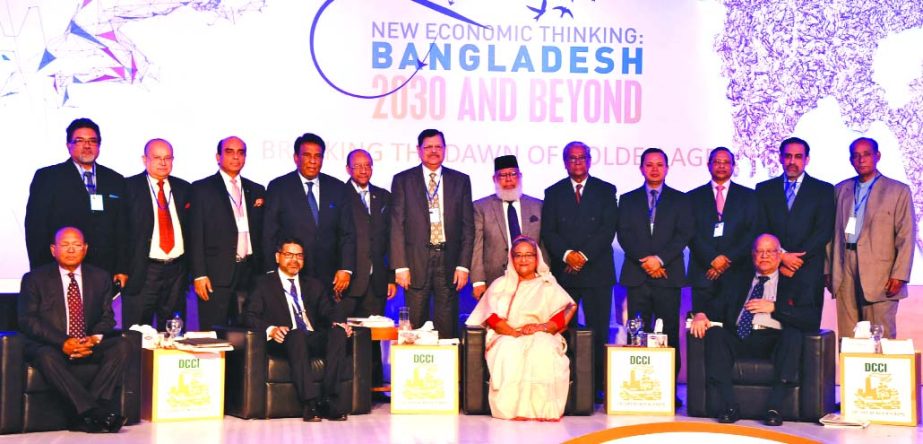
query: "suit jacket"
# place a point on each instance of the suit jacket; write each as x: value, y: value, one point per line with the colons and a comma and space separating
x: 740, y: 223
x: 139, y: 218
x: 373, y: 242
x: 43, y: 307
x: 410, y: 223
x: 807, y: 227
x: 673, y: 229
x: 58, y: 198
x: 267, y: 304
x: 795, y: 307
x: 329, y: 245
x: 212, y: 246
x: 588, y: 228
x: 886, y: 240
x: 490, y: 229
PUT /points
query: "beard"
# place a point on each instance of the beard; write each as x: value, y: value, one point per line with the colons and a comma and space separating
x: 509, y: 195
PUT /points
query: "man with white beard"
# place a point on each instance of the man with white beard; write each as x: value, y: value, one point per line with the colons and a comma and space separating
x: 500, y: 218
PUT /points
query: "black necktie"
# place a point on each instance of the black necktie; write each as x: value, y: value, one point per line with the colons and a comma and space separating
x: 513, y: 219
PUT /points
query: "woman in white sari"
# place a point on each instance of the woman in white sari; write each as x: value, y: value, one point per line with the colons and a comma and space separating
x: 524, y: 311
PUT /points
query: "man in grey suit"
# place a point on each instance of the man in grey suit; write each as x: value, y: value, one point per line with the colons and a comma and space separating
x: 874, y: 233
x: 498, y: 219
x: 432, y: 235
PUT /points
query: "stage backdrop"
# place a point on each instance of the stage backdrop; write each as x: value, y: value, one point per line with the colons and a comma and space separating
x: 522, y: 77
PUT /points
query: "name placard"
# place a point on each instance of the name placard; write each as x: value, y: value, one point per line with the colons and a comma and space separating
x: 424, y: 379
x: 880, y: 388
x: 181, y: 385
x: 640, y: 381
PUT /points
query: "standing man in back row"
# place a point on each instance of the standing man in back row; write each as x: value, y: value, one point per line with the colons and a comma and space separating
x: 432, y: 235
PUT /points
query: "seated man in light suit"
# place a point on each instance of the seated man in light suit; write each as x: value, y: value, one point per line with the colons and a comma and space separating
x: 65, y: 310
x: 764, y: 315
x: 298, y: 316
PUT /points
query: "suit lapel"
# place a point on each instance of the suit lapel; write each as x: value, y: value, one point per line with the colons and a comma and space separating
x: 59, y: 305
x: 222, y: 191
x: 496, y: 211
x: 420, y: 188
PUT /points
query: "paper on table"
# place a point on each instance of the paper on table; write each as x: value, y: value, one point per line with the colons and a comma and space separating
x: 897, y: 346
x: 857, y: 345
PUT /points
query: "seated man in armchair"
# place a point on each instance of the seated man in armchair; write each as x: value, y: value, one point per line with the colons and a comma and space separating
x: 764, y: 315
x: 300, y: 319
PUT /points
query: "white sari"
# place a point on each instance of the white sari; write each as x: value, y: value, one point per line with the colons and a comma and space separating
x: 529, y: 374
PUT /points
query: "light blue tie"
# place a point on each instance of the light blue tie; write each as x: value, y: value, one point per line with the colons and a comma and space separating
x: 790, y: 194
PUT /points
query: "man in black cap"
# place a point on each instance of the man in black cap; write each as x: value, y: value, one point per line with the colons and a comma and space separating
x: 498, y: 219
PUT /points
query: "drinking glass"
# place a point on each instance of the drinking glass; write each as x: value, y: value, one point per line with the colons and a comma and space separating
x: 174, y: 327
x: 634, y: 326
x: 404, y: 319
x: 877, y: 330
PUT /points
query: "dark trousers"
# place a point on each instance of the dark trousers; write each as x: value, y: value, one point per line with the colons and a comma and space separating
x: 654, y: 302
x: 445, y: 298
x: 225, y: 304
x: 723, y: 347
x: 597, y: 305
x: 364, y: 306
x: 111, y: 355
x: 300, y: 347
x: 163, y: 293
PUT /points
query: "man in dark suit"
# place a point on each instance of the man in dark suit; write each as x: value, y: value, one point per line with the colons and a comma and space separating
x: 432, y: 235
x: 225, y: 222
x: 763, y: 315
x: 156, y: 205
x: 579, y: 217
x: 654, y: 228
x: 800, y: 211
x: 373, y: 281
x: 500, y: 218
x: 298, y: 315
x: 315, y: 208
x: 78, y: 193
x: 65, y: 314
x: 725, y: 224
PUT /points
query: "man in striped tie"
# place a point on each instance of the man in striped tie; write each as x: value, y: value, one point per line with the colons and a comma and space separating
x: 763, y: 315
x: 65, y: 311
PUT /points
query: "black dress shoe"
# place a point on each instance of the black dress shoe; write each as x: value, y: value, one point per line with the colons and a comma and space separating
x: 729, y: 416
x: 309, y: 414
x: 87, y: 423
x: 335, y: 417
x: 773, y: 418
x: 679, y: 402
x: 112, y: 422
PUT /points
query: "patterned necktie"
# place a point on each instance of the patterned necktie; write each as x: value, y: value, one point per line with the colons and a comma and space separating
x: 238, y: 214
x: 299, y: 314
x: 164, y: 221
x: 436, y: 235
x: 312, y: 202
x: 790, y: 193
x: 745, y: 326
x: 719, y: 201
x: 77, y: 327
x: 578, y: 195
x: 513, y: 219
x: 88, y: 180
x: 364, y: 196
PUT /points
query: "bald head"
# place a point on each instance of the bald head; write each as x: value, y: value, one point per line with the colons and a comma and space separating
x: 767, y: 254
x: 69, y: 248
x: 158, y: 158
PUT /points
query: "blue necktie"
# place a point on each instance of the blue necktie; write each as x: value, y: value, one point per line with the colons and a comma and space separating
x: 299, y: 315
x: 513, y: 220
x: 88, y: 179
x: 312, y: 202
x: 745, y: 326
x: 790, y: 194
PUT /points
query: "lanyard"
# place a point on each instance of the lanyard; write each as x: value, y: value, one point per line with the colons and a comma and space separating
x: 857, y: 203
x: 169, y: 199
x: 238, y: 205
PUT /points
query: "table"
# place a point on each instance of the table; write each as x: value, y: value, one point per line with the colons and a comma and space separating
x: 180, y: 385
x: 382, y: 334
x: 640, y: 380
x: 880, y: 388
x: 424, y: 379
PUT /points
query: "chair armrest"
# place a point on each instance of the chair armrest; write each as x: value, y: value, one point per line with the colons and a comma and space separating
x: 818, y: 375
x: 131, y: 380
x: 474, y: 372
x: 580, y: 398
x: 362, y: 370
x: 245, y: 372
x: 12, y: 369
x: 696, y: 388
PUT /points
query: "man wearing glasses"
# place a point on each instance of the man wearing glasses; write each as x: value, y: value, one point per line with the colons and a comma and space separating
x: 78, y: 193
x: 579, y: 218
x: 298, y: 315
x: 500, y: 218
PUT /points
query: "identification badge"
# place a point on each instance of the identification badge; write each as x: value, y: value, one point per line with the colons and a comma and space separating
x: 851, y: 225
x: 242, y: 226
x: 719, y: 229
x: 434, y: 216
x: 96, y: 202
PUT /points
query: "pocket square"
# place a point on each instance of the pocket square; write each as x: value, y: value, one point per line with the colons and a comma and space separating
x: 113, y: 196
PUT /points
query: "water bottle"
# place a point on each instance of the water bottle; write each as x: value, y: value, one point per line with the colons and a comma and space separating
x: 174, y: 326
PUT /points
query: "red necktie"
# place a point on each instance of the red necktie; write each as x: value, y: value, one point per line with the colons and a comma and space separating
x: 578, y: 194
x: 164, y: 220
x: 77, y: 327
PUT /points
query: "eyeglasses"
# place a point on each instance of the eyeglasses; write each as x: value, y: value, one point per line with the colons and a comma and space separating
x: 577, y: 159
x: 508, y: 175
x: 164, y: 159
x: 290, y: 256
x: 524, y: 256
x: 82, y: 141
x: 361, y: 167
x: 432, y: 148
x: 760, y: 253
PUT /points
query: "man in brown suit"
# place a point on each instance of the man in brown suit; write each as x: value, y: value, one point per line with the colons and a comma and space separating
x: 875, y: 233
